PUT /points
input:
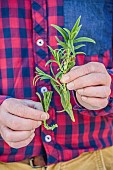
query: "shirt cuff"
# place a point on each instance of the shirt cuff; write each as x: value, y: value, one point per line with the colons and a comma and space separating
x: 76, y: 106
x: 108, y: 110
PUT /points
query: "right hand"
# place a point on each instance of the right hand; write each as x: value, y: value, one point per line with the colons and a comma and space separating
x: 18, y: 120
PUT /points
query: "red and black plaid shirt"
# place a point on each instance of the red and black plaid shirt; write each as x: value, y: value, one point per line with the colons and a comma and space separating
x: 24, y: 26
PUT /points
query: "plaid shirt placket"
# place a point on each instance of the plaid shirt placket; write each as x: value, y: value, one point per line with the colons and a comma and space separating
x: 69, y: 140
x: 17, y: 67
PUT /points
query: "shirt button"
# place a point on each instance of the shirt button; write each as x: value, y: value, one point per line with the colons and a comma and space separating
x: 48, y: 138
x: 44, y: 89
x: 40, y: 42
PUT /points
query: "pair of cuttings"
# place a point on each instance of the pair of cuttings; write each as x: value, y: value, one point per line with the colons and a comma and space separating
x: 65, y: 57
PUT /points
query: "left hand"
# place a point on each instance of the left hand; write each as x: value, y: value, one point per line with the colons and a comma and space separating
x: 91, y: 83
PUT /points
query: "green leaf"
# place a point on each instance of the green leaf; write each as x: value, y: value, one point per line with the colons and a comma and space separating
x: 39, y: 96
x: 65, y: 100
x: 61, y: 43
x: 69, y: 32
x: 74, y: 34
x: 52, y: 70
x: 58, y: 75
x: 55, y: 87
x: 76, y: 25
x: 84, y: 39
x: 79, y: 46
x: 47, y: 99
x: 51, y: 50
x: 62, y: 32
x: 42, y: 75
x: 80, y: 53
x: 50, y: 61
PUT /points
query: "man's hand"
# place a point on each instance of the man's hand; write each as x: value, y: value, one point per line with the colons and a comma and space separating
x: 18, y: 121
x: 91, y: 83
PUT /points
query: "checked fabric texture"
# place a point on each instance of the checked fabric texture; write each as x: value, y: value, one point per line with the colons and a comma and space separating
x: 22, y: 23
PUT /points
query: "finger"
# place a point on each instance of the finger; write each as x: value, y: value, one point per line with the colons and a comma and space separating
x: 92, y: 79
x: 33, y: 104
x: 18, y: 123
x: 21, y: 143
x: 96, y: 102
x: 75, y: 67
x: 16, y: 107
x: 95, y: 91
x: 88, y: 68
x: 14, y: 136
x: 84, y: 104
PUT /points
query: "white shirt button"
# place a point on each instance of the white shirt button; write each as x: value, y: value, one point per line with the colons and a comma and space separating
x: 48, y: 138
x: 44, y: 89
x: 40, y: 42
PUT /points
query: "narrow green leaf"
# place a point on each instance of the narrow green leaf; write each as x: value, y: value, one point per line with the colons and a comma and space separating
x: 74, y: 34
x: 50, y: 61
x: 58, y: 75
x: 80, y: 53
x: 55, y: 87
x: 84, y: 39
x: 47, y: 99
x: 76, y: 25
x: 79, y: 46
x: 61, y: 42
x: 39, y: 96
x: 62, y: 32
x: 68, y: 31
x: 52, y: 70
x: 51, y: 50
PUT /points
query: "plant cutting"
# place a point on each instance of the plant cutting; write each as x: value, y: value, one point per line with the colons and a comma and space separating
x: 65, y: 58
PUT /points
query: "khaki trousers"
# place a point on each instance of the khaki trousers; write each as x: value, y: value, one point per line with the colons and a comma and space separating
x: 97, y: 160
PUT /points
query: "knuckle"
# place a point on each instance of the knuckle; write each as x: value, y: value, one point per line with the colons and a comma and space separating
x: 39, y: 123
x: 104, y: 103
x: 8, y: 104
x: 15, y: 125
x: 109, y: 79
x: 35, y: 124
x: 8, y: 136
x: 90, y: 68
x: 21, y: 110
x: 96, y: 79
x: 70, y: 74
x: 84, y: 92
x: 101, y: 65
x: 96, y: 103
x: 74, y: 83
x: 2, y: 117
x: 107, y: 91
x: 5, y: 103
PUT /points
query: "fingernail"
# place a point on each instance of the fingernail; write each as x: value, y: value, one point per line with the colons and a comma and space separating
x: 65, y: 78
x: 70, y: 86
x: 80, y: 91
x: 45, y: 116
x: 84, y: 98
